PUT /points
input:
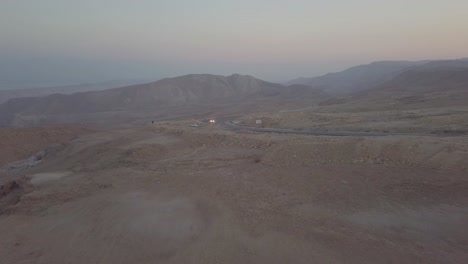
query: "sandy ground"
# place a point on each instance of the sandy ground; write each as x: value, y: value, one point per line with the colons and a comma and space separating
x: 21, y: 143
x: 444, y: 120
x: 169, y: 193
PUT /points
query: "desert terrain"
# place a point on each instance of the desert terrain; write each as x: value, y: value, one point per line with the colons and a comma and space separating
x: 429, y: 98
x: 225, y: 132
x: 171, y: 193
x: 138, y: 174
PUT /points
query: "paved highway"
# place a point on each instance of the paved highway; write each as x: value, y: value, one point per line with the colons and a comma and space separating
x: 227, y: 122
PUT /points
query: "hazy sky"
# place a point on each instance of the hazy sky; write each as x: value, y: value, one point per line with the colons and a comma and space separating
x: 92, y: 40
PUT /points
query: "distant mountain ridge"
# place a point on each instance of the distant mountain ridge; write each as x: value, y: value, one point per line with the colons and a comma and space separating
x: 358, y: 78
x: 170, y: 91
x: 433, y: 77
x: 386, y: 85
x: 6, y: 95
x: 431, y: 85
x: 188, y: 90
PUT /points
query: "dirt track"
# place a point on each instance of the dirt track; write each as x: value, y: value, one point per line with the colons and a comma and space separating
x: 174, y: 194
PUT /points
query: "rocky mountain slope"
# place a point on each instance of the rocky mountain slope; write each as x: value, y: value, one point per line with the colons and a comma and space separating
x: 201, y: 90
x: 357, y: 78
x: 430, y: 98
x: 435, y: 84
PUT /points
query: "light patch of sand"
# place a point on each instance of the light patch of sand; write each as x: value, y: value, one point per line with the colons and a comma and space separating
x: 170, y: 220
x: 441, y: 221
x: 159, y: 140
x: 44, y: 178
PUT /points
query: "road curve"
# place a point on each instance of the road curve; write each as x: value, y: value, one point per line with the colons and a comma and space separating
x: 227, y: 122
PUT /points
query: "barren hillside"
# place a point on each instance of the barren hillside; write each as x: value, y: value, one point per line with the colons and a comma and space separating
x: 21, y: 143
x: 170, y: 193
x: 430, y: 98
x: 203, y: 91
x: 357, y: 78
x: 432, y: 85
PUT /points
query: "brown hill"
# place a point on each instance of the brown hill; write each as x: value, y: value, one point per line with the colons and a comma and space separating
x: 358, y: 78
x: 189, y: 89
x: 185, y: 91
x: 435, y: 84
x: 430, y: 98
